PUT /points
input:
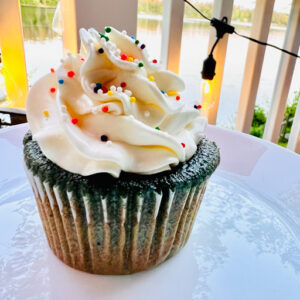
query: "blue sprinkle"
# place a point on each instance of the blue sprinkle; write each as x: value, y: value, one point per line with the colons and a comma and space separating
x: 132, y: 36
x: 98, y: 85
x: 60, y: 81
x: 162, y: 91
x: 195, y: 106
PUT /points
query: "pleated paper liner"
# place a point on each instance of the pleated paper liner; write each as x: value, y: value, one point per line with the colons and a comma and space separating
x: 116, y: 235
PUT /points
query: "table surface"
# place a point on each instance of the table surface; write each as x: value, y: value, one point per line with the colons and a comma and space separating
x: 244, y: 245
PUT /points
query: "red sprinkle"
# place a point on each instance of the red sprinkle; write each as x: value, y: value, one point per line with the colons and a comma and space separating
x: 154, y: 61
x: 104, y: 89
x: 74, y: 120
x: 177, y: 98
x: 105, y: 108
x: 123, y: 56
x: 71, y: 74
x: 82, y: 59
x: 52, y: 70
x: 183, y: 145
x: 123, y: 84
x: 52, y: 90
x: 199, y: 106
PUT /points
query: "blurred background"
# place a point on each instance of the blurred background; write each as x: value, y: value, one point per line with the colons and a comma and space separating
x: 44, y: 49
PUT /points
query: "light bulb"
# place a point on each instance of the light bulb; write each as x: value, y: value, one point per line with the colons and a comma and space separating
x: 2, y: 87
x: 206, y: 87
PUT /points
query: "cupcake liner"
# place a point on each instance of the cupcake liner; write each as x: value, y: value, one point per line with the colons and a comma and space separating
x: 101, y: 234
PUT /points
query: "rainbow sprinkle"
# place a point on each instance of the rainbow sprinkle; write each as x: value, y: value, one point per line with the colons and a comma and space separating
x: 105, y: 108
x: 74, y: 121
x: 172, y: 93
x: 130, y: 59
x: 107, y: 29
x: 104, y: 138
x: 104, y: 36
x: 71, y: 74
x: 61, y: 81
x: 104, y: 89
x: 46, y: 113
x: 110, y: 93
x: 151, y: 78
x: 140, y: 65
x: 132, y: 99
x: 97, y: 87
x: 124, y: 56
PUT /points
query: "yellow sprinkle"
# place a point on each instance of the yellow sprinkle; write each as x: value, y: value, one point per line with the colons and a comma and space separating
x: 132, y: 99
x: 110, y: 93
x: 46, y: 113
x: 172, y: 93
x: 151, y: 78
x: 129, y: 58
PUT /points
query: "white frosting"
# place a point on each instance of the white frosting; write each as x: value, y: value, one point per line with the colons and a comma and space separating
x: 134, y: 144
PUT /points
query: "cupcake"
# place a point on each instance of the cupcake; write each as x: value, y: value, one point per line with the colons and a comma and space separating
x: 115, y: 156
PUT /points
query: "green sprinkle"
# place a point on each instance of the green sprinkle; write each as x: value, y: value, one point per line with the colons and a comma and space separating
x: 107, y: 29
x: 140, y: 64
x: 157, y: 128
x: 104, y: 36
x: 137, y: 42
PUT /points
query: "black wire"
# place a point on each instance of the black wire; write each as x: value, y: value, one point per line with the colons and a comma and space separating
x: 266, y: 44
x: 196, y: 9
x: 241, y: 35
x: 214, y: 45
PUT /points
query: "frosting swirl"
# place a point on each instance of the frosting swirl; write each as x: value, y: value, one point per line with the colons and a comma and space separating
x: 111, y: 109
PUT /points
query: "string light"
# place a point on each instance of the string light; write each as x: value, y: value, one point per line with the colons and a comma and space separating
x: 222, y: 27
x: 206, y: 87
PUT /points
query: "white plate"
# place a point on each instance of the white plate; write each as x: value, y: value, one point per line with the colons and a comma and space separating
x: 244, y: 245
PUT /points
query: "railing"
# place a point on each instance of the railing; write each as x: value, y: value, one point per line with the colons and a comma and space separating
x: 123, y: 14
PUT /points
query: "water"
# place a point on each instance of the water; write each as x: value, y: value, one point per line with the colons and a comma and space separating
x: 43, y: 50
x: 43, y: 47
